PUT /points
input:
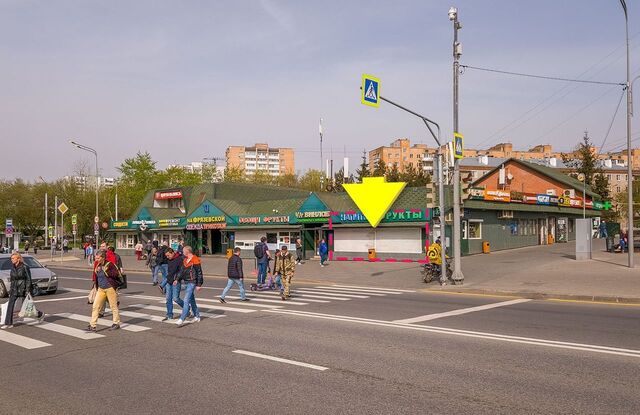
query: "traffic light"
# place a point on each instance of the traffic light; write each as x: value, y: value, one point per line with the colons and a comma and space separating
x: 466, y: 178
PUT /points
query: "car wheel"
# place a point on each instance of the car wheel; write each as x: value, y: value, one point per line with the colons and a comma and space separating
x: 52, y: 292
x: 3, y: 290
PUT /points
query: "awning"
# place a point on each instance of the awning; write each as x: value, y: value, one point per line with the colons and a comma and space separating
x: 523, y: 207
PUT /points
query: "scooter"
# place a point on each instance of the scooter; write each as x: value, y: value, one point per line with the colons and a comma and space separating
x: 431, y: 272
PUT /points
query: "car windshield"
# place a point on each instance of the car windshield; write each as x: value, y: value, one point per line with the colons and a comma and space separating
x: 5, y: 263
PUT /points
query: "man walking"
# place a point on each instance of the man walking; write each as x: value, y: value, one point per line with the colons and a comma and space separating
x: 191, y: 275
x: 603, y: 229
x: 298, y: 251
x: 162, y: 264
x: 235, y: 276
x: 323, y: 250
x: 285, y: 266
x: 172, y: 291
x: 105, y: 278
x: 262, y: 254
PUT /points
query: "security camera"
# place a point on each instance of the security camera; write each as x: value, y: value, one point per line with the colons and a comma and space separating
x: 453, y: 12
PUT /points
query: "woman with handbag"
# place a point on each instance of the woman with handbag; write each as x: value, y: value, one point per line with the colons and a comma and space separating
x: 21, y: 286
x: 106, y: 278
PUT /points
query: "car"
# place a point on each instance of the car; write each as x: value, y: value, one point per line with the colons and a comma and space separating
x: 43, y: 277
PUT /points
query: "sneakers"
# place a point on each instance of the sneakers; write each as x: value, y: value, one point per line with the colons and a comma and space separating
x: 180, y: 322
x: 245, y: 299
x: 154, y: 284
x: 90, y: 330
x: 114, y: 327
x: 161, y: 289
x: 41, y: 318
x: 167, y: 318
x: 283, y: 297
x: 7, y: 326
x: 196, y: 319
x: 222, y: 300
x: 100, y: 315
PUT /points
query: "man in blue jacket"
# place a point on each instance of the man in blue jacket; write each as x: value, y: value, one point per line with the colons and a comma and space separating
x: 172, y: 292
x: 235, y: 275
x: 323, y: 250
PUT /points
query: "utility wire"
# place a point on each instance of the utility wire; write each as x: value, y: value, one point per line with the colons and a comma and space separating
x: 612, y: 120
x: 553, y: 78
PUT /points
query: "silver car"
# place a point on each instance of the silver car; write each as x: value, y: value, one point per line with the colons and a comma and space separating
x: 43, y: 277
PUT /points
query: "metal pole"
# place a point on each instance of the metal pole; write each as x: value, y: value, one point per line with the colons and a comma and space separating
x: 457, y: 267
x: 46, y: 217
x: 62, y: 232
x: 116, y: 202
x: 321, y: 156
x: 55, y: 222
x: 584, y: 198
x: 629, y: 155
x: 97, y: 190
x: 443, y: 268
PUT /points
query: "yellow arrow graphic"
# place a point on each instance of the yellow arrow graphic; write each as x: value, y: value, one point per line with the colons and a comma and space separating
x: 374, y: 197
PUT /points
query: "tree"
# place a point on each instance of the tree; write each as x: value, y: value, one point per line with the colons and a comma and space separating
x: 261, y: 177
x: 583, y: 159
x: 310, y: 180
x: 138, y: 176
x: 209, y: 173
x: 287, y: 180
x: 338, y: 181
x: 234, y: 175
x: 601, y: 185
x: 393, y: 174
x: 363, y: 170
x: 380, y: 169
x: 410, y: 175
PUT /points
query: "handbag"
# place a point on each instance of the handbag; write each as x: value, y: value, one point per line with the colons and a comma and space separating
x: 28, y: 308
x: 92, y: 295
x: 123, y: 282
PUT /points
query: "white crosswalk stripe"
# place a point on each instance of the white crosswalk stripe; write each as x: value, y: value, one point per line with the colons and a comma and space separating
x: 351, y: 291
x: 306, y: 299
x: 236, y: 301
x: 102, y: 322
x: 21, y: 341
x: 173, y: 321
x: 391, y: 290
x: 314, y: 291
x: 66, y: 330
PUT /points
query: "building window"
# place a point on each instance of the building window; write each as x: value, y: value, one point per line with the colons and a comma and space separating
x: 474, y: 229
x: 618, y: 189
x: 617, y: 177
x: 411, y: 155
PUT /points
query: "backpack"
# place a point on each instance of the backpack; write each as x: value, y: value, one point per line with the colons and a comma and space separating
x: 258, y: 250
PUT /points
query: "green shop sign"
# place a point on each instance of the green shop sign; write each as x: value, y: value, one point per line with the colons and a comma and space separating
x: 321, y: 216
x: 265, y: 220
x: 394, y: 216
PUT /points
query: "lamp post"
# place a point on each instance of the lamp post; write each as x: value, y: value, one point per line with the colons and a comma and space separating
x: 629, y: 156
x: 95, y: 153
x: 46, y: 213
x: 457, y: 276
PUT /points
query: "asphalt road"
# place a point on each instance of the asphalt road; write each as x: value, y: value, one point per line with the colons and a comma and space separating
x: 348, y: 349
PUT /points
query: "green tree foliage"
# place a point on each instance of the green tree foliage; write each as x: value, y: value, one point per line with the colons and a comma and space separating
x: 310, y: 180
x: 287, y: 180
x: 393, y: 174
x: 380, y: 169
x: 338, y: 181
x: 363, y: 170
x: 583, y: 159
x: 234, y: 175
x: 138, y: 176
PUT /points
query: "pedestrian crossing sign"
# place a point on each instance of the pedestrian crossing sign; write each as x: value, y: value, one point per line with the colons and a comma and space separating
x: 370, y: 90
x: 458, y: 146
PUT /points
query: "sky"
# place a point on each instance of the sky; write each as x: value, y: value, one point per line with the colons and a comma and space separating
x: 185, y: 79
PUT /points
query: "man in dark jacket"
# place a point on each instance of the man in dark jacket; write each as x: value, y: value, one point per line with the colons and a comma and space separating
x: 235, y: 274
x: 106, y: 280
x: 173, y: 291
x: 193, y: 279
x: 20, y: 279
x: 161, y: 264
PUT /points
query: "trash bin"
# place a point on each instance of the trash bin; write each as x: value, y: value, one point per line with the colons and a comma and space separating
x: 229, y: 253
x: 610, y: 244
x: 372, y: 254
x: 486, y: 247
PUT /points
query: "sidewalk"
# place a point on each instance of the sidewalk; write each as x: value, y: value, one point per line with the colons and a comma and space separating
x: 534, y: 272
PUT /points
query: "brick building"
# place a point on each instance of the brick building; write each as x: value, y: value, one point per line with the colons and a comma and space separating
x: 260, y: 157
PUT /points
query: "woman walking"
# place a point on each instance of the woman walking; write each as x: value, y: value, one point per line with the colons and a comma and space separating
x: 106, y: 281
x: 20, y: 278
x: 192, y: 277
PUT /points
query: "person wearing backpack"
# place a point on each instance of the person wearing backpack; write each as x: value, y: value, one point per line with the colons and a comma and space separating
x: 263, y: 256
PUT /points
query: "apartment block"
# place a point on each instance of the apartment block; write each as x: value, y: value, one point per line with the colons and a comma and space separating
x: 260, y: 157
x: 402, y: 154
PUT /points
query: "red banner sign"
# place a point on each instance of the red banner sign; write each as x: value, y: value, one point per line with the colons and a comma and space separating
x: 172, y: 194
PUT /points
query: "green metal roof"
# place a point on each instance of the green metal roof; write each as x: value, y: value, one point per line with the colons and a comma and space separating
x: 522, y: 207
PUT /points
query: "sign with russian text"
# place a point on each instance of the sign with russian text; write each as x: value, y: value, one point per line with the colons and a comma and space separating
x: 207, y: 219
x: 497, y: 195
x: 169, y: 194
x: 264, y: 220
x: 315, y: 216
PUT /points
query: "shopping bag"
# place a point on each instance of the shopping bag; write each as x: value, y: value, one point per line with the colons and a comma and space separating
x: 28, y: 308
x: 3, y: 313
x: 123, y: 282
x: 92, y: 295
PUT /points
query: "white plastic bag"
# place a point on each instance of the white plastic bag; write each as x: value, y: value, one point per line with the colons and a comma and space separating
x: 28, y: 308
x: 3, y: 313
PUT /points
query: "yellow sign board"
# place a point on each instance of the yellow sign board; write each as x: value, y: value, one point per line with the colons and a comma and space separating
x: 458, y: 146
x: 63, y: 208
x: 370, y: 91
x: 374, y: 197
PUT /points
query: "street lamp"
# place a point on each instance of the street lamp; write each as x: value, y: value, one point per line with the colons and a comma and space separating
x: 46, y: 213
x: 95, y: 153
x: 629, y: 158
x: 457, y: 276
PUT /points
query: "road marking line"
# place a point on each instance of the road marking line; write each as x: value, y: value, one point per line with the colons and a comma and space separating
x: 308, y: 300
x: 103, y: 322
x: 281, y: 360
x: 236, y: 301
x: 374, y: 288
x: 458, y: 312
x: 67, y: 331
x: 60, y: 299
x: 75, y: 290
x: 156, y: 308
x: 468, y: 333
x: 21, y: 341
x: 143, y: 316
x: 375, y: 293
x: 305, y: 297
x: 314, y: 291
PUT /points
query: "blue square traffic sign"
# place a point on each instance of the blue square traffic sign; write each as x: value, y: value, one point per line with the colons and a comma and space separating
x: 370, y: 90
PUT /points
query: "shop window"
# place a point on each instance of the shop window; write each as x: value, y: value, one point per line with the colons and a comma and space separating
x: 474, y: 229
x: 272, y: 238
x: 126, y: 241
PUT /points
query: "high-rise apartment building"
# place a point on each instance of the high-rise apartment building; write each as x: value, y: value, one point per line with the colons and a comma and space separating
x: 402, y: 154
x: 260, y: 157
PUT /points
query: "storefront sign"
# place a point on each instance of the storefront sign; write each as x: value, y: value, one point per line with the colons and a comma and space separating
x: 141, y: 222
x: 120, y: 224
x: 205, y: 226
x: 275, y: 219
x: 207, y: 219
x: 497, y: 195
x: 171, y: 194
x: 264, y: 220
x: 169, y: 223
x: 476, y: 193
x: 316, y: 216
x: 409, y: 215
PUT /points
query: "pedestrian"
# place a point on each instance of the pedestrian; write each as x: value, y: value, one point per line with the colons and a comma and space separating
x: 286, y: 268
x: 172, y: 291
x: 20, y: 286
x: 298, y: 251
x: 151, y: 263
x: 323, y: 250
x: 603, y: 229
x: 161, y: 264
x: 138, y: 249
x: 191, y: 275
x: 89, y: 254
x: 147, y: 247
x: 84, y: 249
x: 235, y: 275
x: 115, y: 259
x: 277, y: 277
x: 263, y: 256
x: 180, y: 247
x: 106, y: 280
x: 65, y: 245
x: 26, y: 246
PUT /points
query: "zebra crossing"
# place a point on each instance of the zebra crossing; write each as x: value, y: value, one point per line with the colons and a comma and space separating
x: 147, y: 310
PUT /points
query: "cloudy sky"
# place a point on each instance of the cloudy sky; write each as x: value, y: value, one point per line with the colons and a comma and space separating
x: 185, y: 79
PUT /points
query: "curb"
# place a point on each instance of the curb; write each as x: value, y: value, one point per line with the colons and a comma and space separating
x: 540, y: 296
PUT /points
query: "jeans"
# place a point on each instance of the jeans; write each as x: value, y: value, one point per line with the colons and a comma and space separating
x: 172, y: 293
x: 101, y: 296
x: 262, y: 272
x: 164, y: 269
x: 323, y: 258
x: 189, y: 301
x: 230, y: 283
